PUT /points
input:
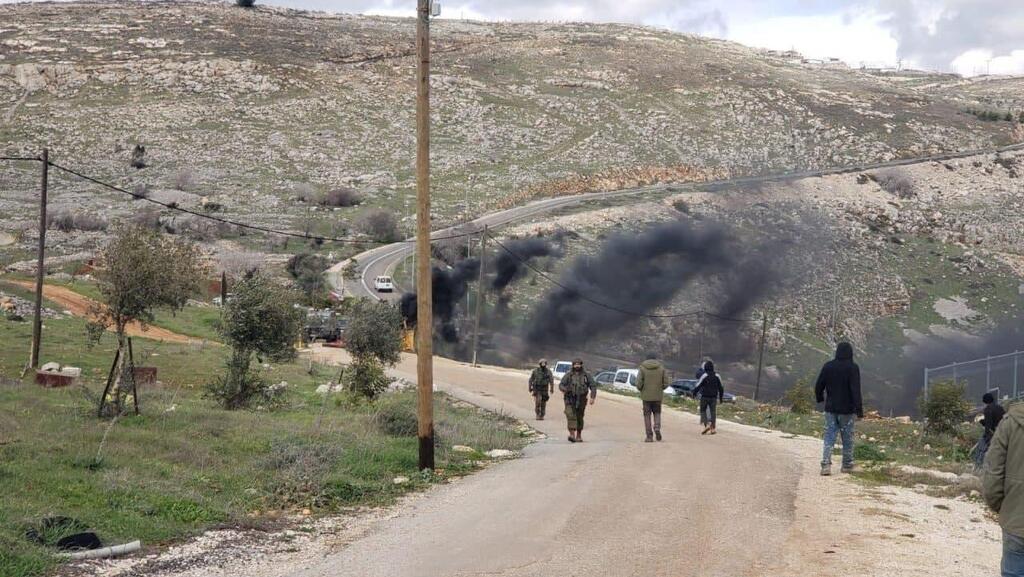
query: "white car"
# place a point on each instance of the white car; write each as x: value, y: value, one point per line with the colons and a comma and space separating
x: 383, y: 284
x: 625, y: 380
x: 561, y: 368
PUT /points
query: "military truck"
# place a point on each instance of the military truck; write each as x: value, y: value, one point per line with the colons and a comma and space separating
x: 324, y: 325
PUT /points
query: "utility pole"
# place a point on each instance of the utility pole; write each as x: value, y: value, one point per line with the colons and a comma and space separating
x: 479, y: 293
x: 37, y: 319
x: 700, y: 343
x: 760, y: 355
x: 424, y: 290
x: 223, y: 289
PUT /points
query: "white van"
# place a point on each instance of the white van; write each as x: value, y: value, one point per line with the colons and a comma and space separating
x: 560, y: 369
x: 625, y: 380
x: 383, y: 284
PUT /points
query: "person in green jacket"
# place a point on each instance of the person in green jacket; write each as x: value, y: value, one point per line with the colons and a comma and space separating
x: 651, y: 380
x: 1003, y: 487
x: 575, y: 386
x: 542, y: 382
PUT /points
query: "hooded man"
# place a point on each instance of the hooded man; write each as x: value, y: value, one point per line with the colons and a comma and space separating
x: 542, y: 383
x: 1003, y: 487
x: 838, y: 386
x: 710, y: 391
x: 991, y: 416
x: 651, y: 381
x: 575, y: 386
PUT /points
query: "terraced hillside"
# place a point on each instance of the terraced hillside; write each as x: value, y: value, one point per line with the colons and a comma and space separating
x: 248, y: 112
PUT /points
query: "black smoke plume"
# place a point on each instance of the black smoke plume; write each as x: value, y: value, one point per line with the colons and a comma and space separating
x: 509, y: 268
x: 449, y: 288
x: 632, y: 275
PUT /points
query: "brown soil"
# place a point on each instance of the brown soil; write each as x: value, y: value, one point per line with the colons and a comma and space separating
x: 79, y: 306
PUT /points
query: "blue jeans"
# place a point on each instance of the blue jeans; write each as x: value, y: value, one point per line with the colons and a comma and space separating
x: 1013, y: 555
x: 838, y: 425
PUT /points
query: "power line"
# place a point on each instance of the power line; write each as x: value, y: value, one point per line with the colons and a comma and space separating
x: 35, y: 158
x: 263, y: 229
x: 584, y: 297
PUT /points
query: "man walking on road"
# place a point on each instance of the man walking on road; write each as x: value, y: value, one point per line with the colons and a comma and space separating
x: 710, y: 391
x: 1003, y: 487
x: 542, y: 382
x: 651, y: 380
x: 575, y: 386
x: 838, y: 386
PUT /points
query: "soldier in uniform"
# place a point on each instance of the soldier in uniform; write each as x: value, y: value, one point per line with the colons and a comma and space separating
x: 576, y: 385
x: 542, y: 383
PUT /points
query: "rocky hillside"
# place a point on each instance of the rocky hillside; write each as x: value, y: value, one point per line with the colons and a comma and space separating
x: 245, y: 111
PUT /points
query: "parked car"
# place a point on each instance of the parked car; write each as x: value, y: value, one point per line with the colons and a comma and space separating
x: 383, y: 284
x: 684, y: 387
x: 561, y: 367
x: 625, y: 379
x: 605, y: 378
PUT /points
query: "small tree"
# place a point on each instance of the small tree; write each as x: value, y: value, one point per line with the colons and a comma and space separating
x: 139, y: 272
x: 307, y: 270
x: 379, y: 224
x: 246, y: 3
x: 374, y: 339
x: 800, y: 398
x: 138, y: 157
x: 945, y: 408
x: 260, y: 320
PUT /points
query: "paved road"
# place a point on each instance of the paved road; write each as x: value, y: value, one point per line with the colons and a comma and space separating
x: 612, y: 506
x: 383, y: 260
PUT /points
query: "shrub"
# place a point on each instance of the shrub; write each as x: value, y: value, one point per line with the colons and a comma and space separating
x: 1008, y: 117
x: 246, y: 3
x: 800, y: 398
x: 184, y: 180
x: 897, y: 184
x: 945, y: 408
x: 868, y: 452
x: 681, y: 206
x: 374, y: 338
x: 396, y: 417
x: 449, y: 250
x: 341, y: 197
x: 140, y: 190
x: 67, y: 221
x: 138, y: 157
x: 300, y: 471
x: 380, y: 225
x: 148, y: 218
x: 305, y: 192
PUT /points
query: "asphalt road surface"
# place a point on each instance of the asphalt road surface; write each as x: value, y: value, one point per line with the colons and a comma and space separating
x: 612, y: 506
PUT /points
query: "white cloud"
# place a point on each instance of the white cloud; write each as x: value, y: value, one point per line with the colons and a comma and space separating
x: 854, y: 37
x: 980, y: 61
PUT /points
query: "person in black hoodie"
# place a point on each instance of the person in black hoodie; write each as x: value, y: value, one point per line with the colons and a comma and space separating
x: 991, y: 416
x: 838, y: 387
x: 710, y: 391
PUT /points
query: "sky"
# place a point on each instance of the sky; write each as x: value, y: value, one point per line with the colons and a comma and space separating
x: 969, y: 37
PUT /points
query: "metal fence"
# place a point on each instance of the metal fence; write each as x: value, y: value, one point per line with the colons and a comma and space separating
x: 1000, y: 374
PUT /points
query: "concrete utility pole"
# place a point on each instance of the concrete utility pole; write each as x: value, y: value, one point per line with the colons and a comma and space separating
x: 479, y: 293
x: 424, y: 292
x: 37, y: 319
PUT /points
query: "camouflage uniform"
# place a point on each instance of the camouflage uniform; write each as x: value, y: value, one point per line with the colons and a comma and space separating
x: 541, y: 382
x: 575, y: 386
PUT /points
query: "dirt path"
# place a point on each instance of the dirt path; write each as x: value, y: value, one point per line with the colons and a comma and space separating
x: 79, y: 306
x: 747, y: 502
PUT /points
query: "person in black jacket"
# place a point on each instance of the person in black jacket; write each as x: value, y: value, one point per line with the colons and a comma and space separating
x: 838, y: 387
x: 710, y: 392
x: 990, y: 417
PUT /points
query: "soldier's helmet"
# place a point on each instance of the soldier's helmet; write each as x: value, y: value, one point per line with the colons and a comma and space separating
x: 543, y: 362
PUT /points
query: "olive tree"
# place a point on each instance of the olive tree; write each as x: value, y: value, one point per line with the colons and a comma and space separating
x: 374, y: 339
x: 140, y: 272
x: 259, y: 321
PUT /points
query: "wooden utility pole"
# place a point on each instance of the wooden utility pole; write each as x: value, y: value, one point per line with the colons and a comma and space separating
x: 760, y: 355
x: 424, y: 288
x: 37, y: 319
x: 479, y: 293
x: 223, y: 289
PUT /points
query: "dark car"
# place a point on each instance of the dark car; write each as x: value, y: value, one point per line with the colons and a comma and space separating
x: 684, y: 387
x: 605, y: 378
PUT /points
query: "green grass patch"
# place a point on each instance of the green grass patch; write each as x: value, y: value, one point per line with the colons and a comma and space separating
x: 185, y: 465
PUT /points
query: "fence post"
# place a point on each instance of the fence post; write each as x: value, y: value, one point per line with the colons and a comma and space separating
x: 926, y: 383
x: 760, y: 355
x: 988, y: 373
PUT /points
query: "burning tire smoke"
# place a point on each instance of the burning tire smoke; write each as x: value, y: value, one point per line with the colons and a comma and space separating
x: 508, y: 268
x: 449, y: 288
